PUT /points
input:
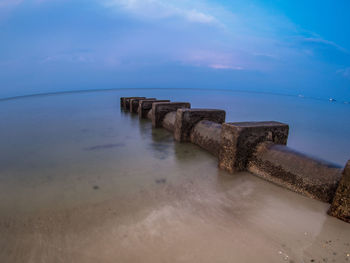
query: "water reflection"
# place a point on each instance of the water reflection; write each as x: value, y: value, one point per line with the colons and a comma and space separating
x: 162, y: 143
x: 159, y: 141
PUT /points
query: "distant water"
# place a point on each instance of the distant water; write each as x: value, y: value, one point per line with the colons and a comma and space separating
x: 83, y: 181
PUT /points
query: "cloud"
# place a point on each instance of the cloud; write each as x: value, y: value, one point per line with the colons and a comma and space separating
x: 158, y: 36
x: 78, y: 58
x: 160, y: 9
x: 345, y: 72
x: 7, y: 6
x: 199, y: 17
x: 326, y: 43
x: 14, y: 3
x: 211, y: 59
x: 9, y: 3
x: 220, y: 66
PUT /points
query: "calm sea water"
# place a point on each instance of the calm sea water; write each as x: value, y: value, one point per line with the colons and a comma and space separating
x: 83, y: 181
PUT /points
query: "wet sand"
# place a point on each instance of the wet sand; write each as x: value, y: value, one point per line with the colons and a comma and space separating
x: 84, y: 182
x: 218, y: 218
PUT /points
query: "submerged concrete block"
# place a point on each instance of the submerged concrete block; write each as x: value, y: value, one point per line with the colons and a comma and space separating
x: 134, y: 104
x: 126, y: 102
x: 207, y: 135
x: 340, y: 207
x: 239, y: 141
x: 169, y: 121
x: 295, y: 171
x: 160, y: 109
x: 146, y: 105
x: 186, y: 119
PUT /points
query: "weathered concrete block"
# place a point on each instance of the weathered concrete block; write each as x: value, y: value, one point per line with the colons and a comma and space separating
x: 186, y: 119
x: 340, y: 207
x: 126, y: 102
x: 122, y: 102
x: 293, y: 170
x: 207, y: 135
x: 239, y: 141
x: 160, y: 109
x: 149, y: 114
x: 146, y: 105
x: 134, y: 104
x: 169, y: 121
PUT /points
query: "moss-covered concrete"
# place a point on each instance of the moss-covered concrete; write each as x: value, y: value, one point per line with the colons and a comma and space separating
x: 340, y: 207
x: 186, y: 119
x: 240, y: 139
x: 160, y: 109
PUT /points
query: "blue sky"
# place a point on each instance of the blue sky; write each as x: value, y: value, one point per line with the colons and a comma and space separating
x: 292, y: 47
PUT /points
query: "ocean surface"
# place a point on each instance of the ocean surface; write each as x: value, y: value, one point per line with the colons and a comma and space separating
x: 83, y: 181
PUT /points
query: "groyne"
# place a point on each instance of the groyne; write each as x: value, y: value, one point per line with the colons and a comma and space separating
x: 257, y: 147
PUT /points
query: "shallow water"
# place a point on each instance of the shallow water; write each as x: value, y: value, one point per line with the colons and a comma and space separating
x: 83, y: 181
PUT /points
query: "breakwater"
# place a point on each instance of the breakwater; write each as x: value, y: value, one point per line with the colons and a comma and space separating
x: 257, y: 147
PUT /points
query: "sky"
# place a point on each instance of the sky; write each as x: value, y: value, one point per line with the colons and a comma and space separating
x: 281, y: 46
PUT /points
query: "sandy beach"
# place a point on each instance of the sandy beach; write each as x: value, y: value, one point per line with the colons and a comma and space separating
x: 220, y: 218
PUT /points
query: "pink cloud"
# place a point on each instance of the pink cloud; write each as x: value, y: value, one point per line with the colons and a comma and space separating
x: 221, y: 66
x: 212, y: 59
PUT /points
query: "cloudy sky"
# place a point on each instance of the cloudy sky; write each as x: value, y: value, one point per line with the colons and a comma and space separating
x: 292, y: 47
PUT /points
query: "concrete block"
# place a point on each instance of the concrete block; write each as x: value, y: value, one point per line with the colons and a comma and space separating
x: 145, y: 106
x: 126, y: 101
x: 169, y: 121
x: 186, y: 119
x: 134, y: 104
x: 149, y: 114
x: 295, y: 171
x: 160, y: 109
x: 207, y: 135
x: 239, y: 141
x: 340, y: 207
x: 122, y: 102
